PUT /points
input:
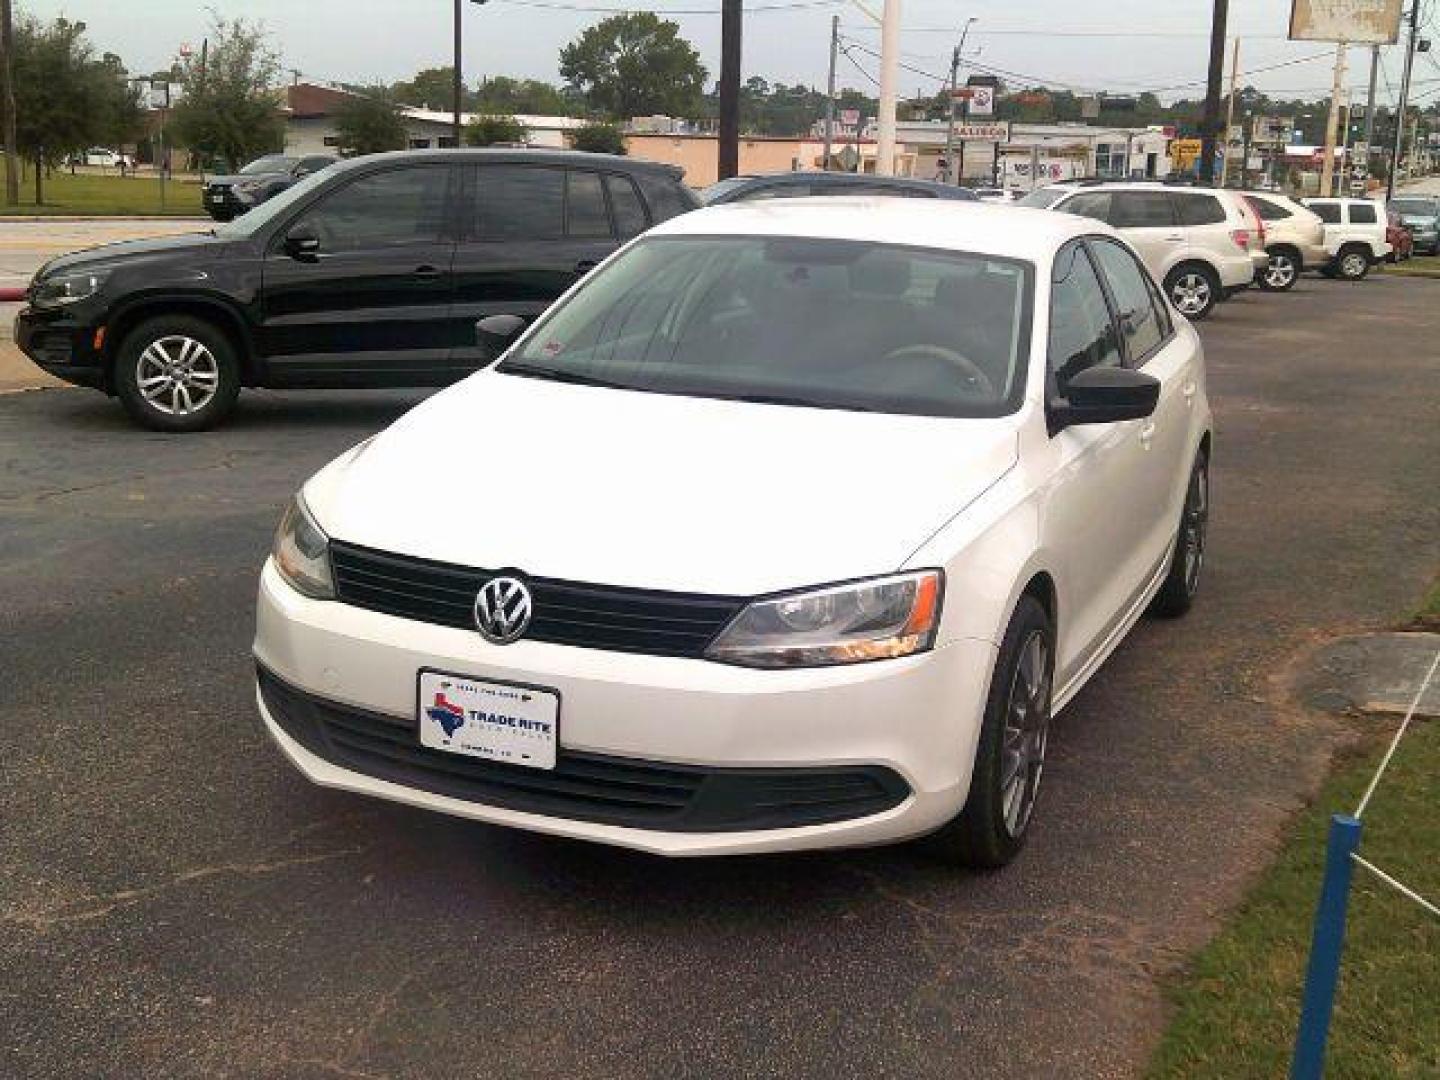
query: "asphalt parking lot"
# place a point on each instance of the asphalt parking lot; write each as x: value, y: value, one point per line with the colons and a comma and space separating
x: 176, y: 901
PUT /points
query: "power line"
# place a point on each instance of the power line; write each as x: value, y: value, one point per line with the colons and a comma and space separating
x: 856, y: 65
x: 556, y: 5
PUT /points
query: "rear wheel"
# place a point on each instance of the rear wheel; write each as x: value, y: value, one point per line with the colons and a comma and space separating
x: 1188, y: 557
x: 177, y: 373
x: 1282, y: 271
x: 991, y: 828
x: 1353, y: 263
x: 1193, y: 289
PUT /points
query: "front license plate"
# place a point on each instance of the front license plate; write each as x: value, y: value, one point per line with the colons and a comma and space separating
x: 517, y: 725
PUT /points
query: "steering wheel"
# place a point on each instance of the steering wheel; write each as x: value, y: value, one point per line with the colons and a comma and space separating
x: 977, y: 383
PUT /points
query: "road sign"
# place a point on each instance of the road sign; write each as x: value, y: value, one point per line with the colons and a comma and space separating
x: 850, y: 117
x: 982, y: 101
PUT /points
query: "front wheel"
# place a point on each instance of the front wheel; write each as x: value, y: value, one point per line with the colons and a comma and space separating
x: 177, y: 373
x: 1194, y: 290
x: 1187, y: 558
x: 1353, y: 264
x: 1281, y: 273
x: 992, y: 826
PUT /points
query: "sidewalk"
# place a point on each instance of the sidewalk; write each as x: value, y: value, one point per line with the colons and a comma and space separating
x: 18, y: 373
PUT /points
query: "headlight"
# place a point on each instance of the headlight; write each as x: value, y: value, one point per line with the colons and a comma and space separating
x: 245, y: 187
x: 302, y: 553
x: 67, y: 288
x: 841, y: 624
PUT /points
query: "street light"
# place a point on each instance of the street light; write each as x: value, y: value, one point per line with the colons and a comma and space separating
x: 459, y: 81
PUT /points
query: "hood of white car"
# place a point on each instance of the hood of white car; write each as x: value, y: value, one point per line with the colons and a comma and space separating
x: 656, y: 491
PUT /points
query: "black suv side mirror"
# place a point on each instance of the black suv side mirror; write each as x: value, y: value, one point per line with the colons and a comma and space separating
x: 1103, y: 395
x: 495, y: 332
x: 302, y: 245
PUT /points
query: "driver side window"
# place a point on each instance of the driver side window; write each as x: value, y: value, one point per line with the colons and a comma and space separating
x: 402, y: 206
x: 1082, y: 330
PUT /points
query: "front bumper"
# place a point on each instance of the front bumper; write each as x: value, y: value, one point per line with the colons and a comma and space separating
x: 62, y: 343
x: 916, y: 719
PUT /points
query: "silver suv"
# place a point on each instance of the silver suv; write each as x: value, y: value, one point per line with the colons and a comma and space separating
x: 1294, y: 239
x: 1203, y: 244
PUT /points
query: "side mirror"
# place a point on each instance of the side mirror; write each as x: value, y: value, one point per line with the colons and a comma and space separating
x: 495, y: 332
x: 1103, y: 395
x: 301, y: 245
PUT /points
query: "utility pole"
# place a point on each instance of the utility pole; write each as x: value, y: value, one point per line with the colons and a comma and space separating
x: 1327, y: 166
x: 830, y: 91
x: 1229, y: 110
x: 458, y: 82
x: 950, y: 104
x: 1370, y: 107
x: 1404, y: 99
x: 1211, y: 123
x: 7, y: 103
x: 731, y: 19
x: 889, y: 70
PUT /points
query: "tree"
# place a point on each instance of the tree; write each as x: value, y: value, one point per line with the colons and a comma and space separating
x: 634, y: 65
x: 599, y: 139
x: 503, y: 94
x: 230, y: 108
x: 122, y: 118
x: 370, y: 123
x: 490, y: 130
x: 65, y: 100
x: 433, y: 88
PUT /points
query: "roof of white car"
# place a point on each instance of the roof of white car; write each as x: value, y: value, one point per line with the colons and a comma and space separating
x: 984, y: 228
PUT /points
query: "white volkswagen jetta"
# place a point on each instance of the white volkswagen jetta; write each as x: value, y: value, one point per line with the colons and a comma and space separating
x: 790, y: 527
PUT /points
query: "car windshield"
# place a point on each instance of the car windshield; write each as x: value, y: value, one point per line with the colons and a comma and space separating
x: 250, y: 223
x: 796, y: 321
x: 1043, y: 197
x: 271, y: 163
x: 723, y: 187
x: 1416, y: 207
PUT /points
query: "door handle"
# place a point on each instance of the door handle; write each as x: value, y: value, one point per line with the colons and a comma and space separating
x: 584, y: 266
x: 427, y: 271
x: 1147, y: 432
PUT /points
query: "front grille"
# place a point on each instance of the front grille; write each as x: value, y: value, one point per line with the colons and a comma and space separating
x: 582, y: 786
x: 563, y: 612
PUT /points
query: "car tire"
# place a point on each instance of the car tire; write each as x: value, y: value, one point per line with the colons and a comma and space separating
x: 1282, y: 272
x: 1187, y: 558
x: 177, y: 373
x: 992, y: 826
x: 1353, y: 263
x: 1194, y: 290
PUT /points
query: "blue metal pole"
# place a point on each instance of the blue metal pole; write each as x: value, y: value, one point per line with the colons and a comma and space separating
x: 1324, y: 968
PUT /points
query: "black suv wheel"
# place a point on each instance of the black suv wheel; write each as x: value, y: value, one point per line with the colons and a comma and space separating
x: 177, y: 373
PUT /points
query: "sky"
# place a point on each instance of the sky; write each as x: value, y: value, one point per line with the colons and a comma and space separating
x: 1123, y: 46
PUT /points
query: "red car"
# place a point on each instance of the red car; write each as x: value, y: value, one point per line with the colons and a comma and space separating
x: 1400, y: 238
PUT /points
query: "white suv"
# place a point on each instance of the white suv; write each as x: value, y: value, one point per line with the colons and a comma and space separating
x: 1203, y: 243
x: 1294, y: 239
x: 1354, y: 235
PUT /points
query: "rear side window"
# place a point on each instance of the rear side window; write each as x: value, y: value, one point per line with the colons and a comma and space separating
x: 1362, y: 214
x: 1268, y: 210
x: 1082, y: 334
x: 630, y: 217
x: 1143, y: 324
x: 1327, y: 212
x: 585, y: 214
x: 1091, y: 204
x: 520, y: 202
x: 1199, y: 209
x: 1142, y: 210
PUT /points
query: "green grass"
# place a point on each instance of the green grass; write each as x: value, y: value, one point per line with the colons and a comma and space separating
x: 1421, y: 267
x: 1237, y: 1006
x: 90, y: 194
x: 1429, y: 613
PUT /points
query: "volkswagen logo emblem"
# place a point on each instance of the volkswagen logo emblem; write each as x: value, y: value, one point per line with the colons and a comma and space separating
x: 502, y: 609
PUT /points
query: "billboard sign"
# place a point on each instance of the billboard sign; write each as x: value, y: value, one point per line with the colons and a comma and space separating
x: 982, y: 100
x: 1357, y: 22
x: 998, y: 132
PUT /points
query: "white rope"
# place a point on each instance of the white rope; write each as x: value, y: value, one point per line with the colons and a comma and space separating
x: 1395, y: 742
x: 1404, y: 889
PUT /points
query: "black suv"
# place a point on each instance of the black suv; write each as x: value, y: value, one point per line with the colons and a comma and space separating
x: 370, y: 273
x: 228, y: 197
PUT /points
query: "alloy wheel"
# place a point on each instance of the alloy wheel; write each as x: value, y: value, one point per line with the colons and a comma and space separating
x: 1281, y: 272
x: 1027, y: 730
x: 1191, y: 293
x: 177, y: 375
x: 1353, y: 265
x: 1193, y: 526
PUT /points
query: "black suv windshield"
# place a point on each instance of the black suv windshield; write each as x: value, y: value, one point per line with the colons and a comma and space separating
x: 271, y: 163
x: 824, y: 323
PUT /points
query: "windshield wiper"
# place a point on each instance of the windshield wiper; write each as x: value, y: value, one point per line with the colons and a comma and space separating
x: 577, y: 378
x: 784, y: 399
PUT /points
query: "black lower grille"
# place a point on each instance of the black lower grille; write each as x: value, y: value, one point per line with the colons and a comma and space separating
x: 586, y: 787
x: 564, y: 612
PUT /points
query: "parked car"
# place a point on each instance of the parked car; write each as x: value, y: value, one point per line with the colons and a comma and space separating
x: 1421, y: 215
x: 227, y: 197
x: 1294, y: 240
x: 1204, y: 244
x: 371, y: 272
x: 996, y: 195
x: 700, y: 644
x: 101, y: 157
x: 797, y: 185
x: 1399, y: 237
x: 1354, y: 236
